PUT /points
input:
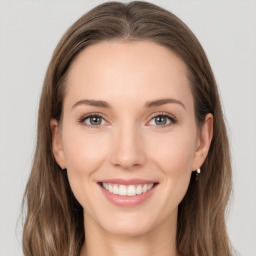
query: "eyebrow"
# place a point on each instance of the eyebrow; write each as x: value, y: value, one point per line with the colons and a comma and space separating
x: 160, y: 102
x: 148, y: 104
x: 95, y: 103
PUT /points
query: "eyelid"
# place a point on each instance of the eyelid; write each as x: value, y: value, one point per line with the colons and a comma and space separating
x: 82, y: 119
x: 172, y: 118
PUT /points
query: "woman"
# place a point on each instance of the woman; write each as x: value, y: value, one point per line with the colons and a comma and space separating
x: 132, y: 154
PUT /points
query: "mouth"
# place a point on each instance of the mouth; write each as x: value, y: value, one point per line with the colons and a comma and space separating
x: 128, y: 190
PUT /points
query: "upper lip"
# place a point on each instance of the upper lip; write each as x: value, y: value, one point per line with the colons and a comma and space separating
x: 128, y: 181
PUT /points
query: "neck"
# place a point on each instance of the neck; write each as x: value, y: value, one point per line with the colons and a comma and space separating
x: 160, y: 240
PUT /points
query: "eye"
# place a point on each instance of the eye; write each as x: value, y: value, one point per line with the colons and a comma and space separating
x: 162, y: 120
x: 93, y: 120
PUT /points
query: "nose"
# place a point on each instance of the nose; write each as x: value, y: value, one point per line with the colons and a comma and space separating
x: 128, y: 149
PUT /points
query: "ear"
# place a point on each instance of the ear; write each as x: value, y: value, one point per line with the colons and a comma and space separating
x: 57, y: 147
x: 203, y: 142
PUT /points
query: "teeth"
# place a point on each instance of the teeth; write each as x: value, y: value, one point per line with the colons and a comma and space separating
x: 130, y: 190
x: 139, y: 190
x: 115, y: 190
x: 122, y: 190
x: 145, y: 187
x: 150, y: 186
x: 105, y: 185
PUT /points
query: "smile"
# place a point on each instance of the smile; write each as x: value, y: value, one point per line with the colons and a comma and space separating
x: 130, y: 190
x: 127, y: 193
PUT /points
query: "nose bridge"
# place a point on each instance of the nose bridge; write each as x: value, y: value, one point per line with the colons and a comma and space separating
x: 128, y: 149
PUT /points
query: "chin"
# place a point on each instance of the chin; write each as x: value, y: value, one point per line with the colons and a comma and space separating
x: 128, y: 230
x: 126, y: 225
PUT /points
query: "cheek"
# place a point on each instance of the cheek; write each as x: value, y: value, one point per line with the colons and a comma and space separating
x: 174, y: 153
x: 84, y: 155
x: 173, y: 156
x: 84, y: 151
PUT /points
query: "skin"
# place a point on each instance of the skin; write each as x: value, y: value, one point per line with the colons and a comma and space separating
x: 129, y: 143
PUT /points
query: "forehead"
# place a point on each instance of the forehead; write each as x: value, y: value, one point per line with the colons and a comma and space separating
x: 127, y: 70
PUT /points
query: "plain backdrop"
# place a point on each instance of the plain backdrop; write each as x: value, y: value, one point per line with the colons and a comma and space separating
x: 29, y: 32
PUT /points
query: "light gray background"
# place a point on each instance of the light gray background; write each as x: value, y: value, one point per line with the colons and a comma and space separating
x: 29, y: 32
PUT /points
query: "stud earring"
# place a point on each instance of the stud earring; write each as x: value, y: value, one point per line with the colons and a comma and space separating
x: 198, y: 171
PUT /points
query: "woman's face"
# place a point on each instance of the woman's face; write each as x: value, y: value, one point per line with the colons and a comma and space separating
x: 128, y: 122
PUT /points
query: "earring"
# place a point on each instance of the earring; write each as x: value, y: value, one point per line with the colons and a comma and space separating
x: 198, y: 171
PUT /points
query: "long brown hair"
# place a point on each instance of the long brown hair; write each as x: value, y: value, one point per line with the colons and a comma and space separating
x: 54, y: 218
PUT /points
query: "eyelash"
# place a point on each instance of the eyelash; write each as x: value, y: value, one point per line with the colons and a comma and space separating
x: 172, y: 119
x: 83, y: 118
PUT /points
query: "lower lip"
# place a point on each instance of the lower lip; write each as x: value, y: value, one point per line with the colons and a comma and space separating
x: 128, y: 200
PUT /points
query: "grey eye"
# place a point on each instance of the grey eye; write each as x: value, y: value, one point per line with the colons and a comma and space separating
x: 94, y: 120
x: 160, y: 120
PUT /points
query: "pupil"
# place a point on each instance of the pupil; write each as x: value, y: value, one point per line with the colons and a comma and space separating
x: 161, y: 120
x: 95, y: 120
